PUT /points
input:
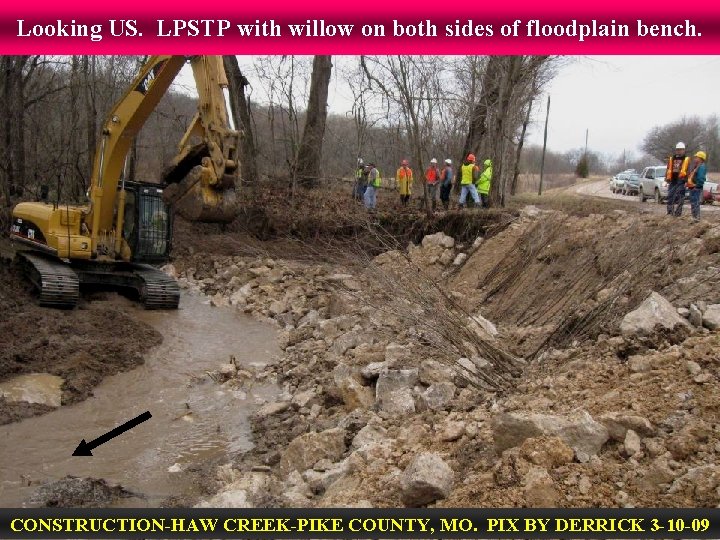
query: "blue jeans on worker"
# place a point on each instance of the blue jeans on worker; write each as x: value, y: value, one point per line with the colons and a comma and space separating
x: 359, y: 191
x: 473, y: 191
x: 676, y: 197
x: 696, y: 194
x: 370, y: 198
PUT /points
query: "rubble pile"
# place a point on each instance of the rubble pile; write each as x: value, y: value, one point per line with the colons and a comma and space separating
x: 372, y: 414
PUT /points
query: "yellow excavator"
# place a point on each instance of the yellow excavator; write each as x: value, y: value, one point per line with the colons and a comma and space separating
x: 126, y: 227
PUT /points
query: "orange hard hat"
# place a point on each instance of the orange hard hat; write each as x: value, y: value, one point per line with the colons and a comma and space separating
x: 405, y: 162
x: 471, y: 157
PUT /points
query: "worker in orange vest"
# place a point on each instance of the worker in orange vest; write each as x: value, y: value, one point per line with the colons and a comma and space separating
x: 404, y: 178
x: 676, y: 175
x: 432, y: 177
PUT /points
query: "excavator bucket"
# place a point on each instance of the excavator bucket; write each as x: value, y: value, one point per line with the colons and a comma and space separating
x: 194, y: 193
x: 196, y: 201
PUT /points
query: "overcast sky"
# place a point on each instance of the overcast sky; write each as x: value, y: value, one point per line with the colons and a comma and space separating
x: 617, y: 98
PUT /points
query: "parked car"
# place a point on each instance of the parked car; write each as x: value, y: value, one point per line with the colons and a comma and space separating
x: 617, y: 182
x: 653, y: 184
x: 632, y: 184
x: 710, y: 192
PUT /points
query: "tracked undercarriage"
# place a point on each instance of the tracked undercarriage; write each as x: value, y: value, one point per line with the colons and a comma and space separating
x: 58, y: 283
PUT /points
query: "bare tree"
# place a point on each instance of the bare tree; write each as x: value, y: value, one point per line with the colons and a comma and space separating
x: 240, y: 105
x: 403, y: 82
x: 307, y: 165
x: 509, y: 84
x: 696, y: 133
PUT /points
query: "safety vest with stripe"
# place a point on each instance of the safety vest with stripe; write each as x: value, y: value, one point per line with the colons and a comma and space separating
x: 467, y: 173
x: 677, y: 168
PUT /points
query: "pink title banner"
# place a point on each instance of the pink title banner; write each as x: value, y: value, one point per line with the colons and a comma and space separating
x: 372, y: 27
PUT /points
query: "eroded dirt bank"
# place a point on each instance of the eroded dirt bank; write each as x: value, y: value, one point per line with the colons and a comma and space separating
x: 82, y: 346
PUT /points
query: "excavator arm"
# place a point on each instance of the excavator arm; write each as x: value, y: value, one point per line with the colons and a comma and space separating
x: 204, y: 172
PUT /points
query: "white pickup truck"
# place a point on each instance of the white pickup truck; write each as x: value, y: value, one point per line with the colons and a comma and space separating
x: 653, y: 184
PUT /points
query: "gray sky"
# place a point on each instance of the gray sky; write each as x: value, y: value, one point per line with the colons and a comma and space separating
x: 617, y: 98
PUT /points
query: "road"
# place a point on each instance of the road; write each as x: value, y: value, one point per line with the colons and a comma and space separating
x: 601, y: 188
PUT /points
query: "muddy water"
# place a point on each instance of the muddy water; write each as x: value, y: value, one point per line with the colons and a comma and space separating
x: 40, y: 388
x: 193, y: 418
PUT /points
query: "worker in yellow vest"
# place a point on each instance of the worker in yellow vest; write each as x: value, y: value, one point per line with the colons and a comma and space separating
x: 374, y: 182
x: 469, y: 174
x: 483, y: 183
x: 404, y: 178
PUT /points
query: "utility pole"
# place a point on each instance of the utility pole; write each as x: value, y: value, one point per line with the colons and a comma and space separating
x: 542, y: 160
x: 587, y: 131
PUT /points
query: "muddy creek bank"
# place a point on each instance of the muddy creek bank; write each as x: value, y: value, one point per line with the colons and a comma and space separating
x: 194, y: 419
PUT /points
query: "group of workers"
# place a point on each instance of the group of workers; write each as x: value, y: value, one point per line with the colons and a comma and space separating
x: 682, y: 175
x: 439, y: 181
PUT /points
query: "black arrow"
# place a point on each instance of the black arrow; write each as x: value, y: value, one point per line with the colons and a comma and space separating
x: 84, y: 448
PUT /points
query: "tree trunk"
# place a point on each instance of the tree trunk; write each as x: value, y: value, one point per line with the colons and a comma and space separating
x: 13, y: 117
x: 88, y: 68
x: 307, y: 169
x: 518, y: 150
x: 489, y: 96
x: 5, y: 115
x: 240, y: 106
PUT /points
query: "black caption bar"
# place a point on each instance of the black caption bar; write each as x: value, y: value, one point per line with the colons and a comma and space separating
x: 327, y: 523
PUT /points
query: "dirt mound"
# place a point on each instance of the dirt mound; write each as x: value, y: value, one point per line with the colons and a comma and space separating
x: 73, y: 492
x: 82, y: 346
x: 275, y: 218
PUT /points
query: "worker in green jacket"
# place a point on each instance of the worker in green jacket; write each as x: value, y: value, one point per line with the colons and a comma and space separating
x: 483, y: 183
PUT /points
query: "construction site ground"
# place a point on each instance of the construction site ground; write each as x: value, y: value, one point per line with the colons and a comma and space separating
x: 487, y: 354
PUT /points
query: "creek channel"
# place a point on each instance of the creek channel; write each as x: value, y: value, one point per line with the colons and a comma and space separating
x: 194, y: 419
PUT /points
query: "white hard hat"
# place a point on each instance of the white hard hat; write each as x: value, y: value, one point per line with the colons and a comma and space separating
x: 448, y: 161
x: 433, y: 160
x: 680, y: 146
x: 360, y: 161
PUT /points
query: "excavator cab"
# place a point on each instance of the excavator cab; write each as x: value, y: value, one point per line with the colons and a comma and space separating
x: 147, y: 226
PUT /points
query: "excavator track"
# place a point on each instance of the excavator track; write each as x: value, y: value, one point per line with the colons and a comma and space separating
x: 56, y: 281
x: 157, y: 289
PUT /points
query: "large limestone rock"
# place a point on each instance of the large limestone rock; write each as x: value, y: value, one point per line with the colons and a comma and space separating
x: 547, y: 452
x: 579, y: 431
x: 393, y: 391
x: 349, y: 387
x: 700, y: 483
x: 438, y: 239
x: 539, y: 489
x: 394, y: 352
x: 399, y: 402
x: 306, y: 450
x: 711, y: 317
x: 432, y: 371
x: 653, y: 312
x: 369, y: 435
x: 438, y: 396
x: 619, y: 423
x: 427, y: 479
x: 347, y: 341
x: 483, y: 327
